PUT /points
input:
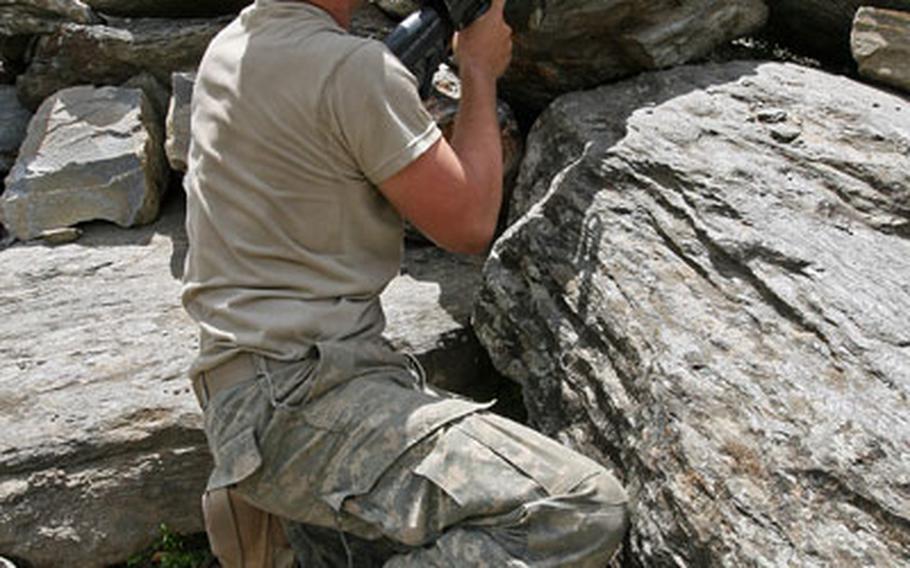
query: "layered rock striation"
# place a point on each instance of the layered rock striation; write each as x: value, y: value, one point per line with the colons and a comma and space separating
x: 709, y: 294
x: 567, y: 46
x: 112, y: 54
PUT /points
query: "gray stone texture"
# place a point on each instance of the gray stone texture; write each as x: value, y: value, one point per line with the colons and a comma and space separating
x: 19, y: 17
x: 177, y: 127
x: 398, y: 8
x: 881, y: 46
x: 102, y: 440
x: 168, y: 8
x: 566, y: 46
x: 113, y: 53
x: 13, y: 126
x: 820, y: 27
x: 370, y: 21
x: 428, y: 310
x: 711, y: 294
x: 89, y: 154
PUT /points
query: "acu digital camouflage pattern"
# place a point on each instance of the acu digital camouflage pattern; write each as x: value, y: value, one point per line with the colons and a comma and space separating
x: 352, y: 440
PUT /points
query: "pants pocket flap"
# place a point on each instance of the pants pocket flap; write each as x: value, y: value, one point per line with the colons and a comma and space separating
x: 235, y: 460
x: 556, y: 468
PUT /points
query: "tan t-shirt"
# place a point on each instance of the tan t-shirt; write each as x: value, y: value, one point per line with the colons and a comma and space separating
x: 294, y: 124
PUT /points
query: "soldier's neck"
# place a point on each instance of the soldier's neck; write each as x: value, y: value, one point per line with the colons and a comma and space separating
x: 340, y: 10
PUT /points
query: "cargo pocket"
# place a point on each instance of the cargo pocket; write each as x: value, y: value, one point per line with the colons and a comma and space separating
x: 489, y: 464
x: 557, y: 468
x: 476, y: 477
x: 235, y: 460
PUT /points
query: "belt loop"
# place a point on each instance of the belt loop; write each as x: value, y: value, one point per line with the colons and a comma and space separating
x: 418, y: 370
x: 262, y: 372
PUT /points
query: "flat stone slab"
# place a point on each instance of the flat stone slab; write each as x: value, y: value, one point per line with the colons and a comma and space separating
x: 710, y: 292
x: 102, y: 437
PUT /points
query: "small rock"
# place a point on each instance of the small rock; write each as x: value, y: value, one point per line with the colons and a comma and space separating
x: 771, y: 116
x: 786, y: 133
x: 60, y: 236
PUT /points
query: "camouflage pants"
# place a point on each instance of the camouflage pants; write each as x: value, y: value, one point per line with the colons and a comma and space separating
x: 350, y: 440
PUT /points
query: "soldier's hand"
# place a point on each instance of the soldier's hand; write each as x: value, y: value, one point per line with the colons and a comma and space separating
x: 486, y: 45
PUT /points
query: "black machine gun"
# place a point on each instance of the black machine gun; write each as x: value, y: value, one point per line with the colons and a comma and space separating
x: 423, y: 40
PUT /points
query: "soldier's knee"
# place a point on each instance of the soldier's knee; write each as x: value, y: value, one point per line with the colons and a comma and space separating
x: 606, y: 489
x: 607, y: 511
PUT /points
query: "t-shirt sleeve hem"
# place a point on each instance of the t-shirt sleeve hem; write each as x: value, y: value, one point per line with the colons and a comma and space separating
x: 406, y: 155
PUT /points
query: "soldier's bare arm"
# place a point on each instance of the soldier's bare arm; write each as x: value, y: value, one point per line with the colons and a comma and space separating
x: 453, y: 192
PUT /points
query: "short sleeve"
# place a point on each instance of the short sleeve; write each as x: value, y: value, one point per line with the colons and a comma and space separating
x: 377, y: 112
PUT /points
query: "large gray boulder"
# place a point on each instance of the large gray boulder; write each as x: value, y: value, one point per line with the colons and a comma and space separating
x: 111, y: 54
x: 90, y: 154
x: 13, y: 127
x: 102, y: 439
x: 820, y: 27
x: 711, y: 296
x: 881, y: 46
x: 18, y: 17
x: 370, y: 21
x: 561, y: 47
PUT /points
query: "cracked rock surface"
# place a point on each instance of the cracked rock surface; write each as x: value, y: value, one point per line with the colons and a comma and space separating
x: 89, y: 154
x: 561, y: 47
x: 709, y: 290
x: 111, y: 54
